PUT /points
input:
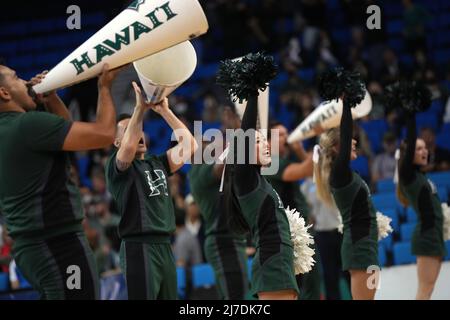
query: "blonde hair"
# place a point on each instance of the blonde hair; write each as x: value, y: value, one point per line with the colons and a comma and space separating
x: 400, y: 195
x: 328, y: 141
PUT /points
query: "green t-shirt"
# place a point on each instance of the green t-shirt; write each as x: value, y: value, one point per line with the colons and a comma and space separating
x: 37, y: 196
x: 289, y: 192
x: 142, y: 196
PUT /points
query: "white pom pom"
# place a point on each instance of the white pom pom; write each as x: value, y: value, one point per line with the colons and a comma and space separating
x: 384, y: 226
x: 446, y: 227
x: 301, y: 239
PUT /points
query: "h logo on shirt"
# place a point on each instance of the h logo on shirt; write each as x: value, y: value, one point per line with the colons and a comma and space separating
x: 157, y: 185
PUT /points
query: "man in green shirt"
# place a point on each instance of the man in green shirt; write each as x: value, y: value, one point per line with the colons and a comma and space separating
x: 138, y: 184
x: 225, y: 251
x: 285, y: 182
x: 40, y: 203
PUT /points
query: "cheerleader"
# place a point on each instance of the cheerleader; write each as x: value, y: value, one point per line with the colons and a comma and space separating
x: 338, y: 185
x: 251, y: 202
x: 416, y: 190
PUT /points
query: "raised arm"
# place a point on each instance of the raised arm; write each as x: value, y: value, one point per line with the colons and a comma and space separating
x: 186, y: 146
x: 406, y: 167
x: 247, y: 174
x: 341, y: 174
x: 130, y: 141
x: 101, y: 133
x: 298, y: 170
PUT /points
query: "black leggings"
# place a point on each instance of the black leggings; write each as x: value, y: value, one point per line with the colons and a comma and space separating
x: 329, y: 246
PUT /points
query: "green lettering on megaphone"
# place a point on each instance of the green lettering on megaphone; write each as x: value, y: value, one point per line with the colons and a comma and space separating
x: 107, y: 47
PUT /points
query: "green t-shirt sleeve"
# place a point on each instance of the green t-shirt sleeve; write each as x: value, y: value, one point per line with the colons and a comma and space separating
x: 44, y: 131
x: 112, y: 173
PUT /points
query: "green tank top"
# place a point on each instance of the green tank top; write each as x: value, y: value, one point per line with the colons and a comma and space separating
x: 356, y: 207
x: 264, y: 212
x: 423, y: 197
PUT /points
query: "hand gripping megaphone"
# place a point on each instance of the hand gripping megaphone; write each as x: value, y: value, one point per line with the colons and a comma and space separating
x: 327, y: 115
x: 145, y: 27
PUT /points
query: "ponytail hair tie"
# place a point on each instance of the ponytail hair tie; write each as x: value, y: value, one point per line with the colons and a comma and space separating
x: 316, y: 154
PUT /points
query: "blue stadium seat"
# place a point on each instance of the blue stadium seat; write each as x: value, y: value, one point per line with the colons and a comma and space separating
x: 159, y: 133
x: 342, y: 36
x: 393, y: 214
x: 395, y: 27
x: 333, y: 5
x: 446, y: 126
x: 427, y: 119
x: 4, y: 281
x: 203, y: 275
x: 392, y: 8
x: 406, y: 231
x: 396, y: 43
x: 361, y: 165
x: 443, y: 141
x: 447, y: 245
x: 181, y: 282
x: 402, y: 253
x: 387, y: 243
x: 205, y: 71
x: 411, y: 215
x: 386, y: 185
x: 436, y: 106
x: 280, y: 79
x: 441, y: 179
x: 307, y: 74
x: 382, y: 257
x: 443, y: 194
x: 375, y: 129
x: 383, y: 201
x: 441, y: 56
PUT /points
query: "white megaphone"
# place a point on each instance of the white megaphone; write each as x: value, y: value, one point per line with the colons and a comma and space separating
x: 327, y: 115
x: 163, y: 72
x: 144, y: 28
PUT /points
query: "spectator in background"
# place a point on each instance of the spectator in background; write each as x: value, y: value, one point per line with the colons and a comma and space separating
x: 383, y: 166
x: 391, y: 67
x: 438, y: 158
x: 175, y: 187
x: 16, y: 279
x: 187, y: 247
x: 193, y: 220
x: 376, y: 93
x: 364, y: 148
x: 5, y: 250
x: 326, y: 222
x: 415, y: 18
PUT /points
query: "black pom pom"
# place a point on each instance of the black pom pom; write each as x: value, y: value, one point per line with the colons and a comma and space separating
x: 337, y: 82
x: 410, y: 96
x: 243, y: 78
